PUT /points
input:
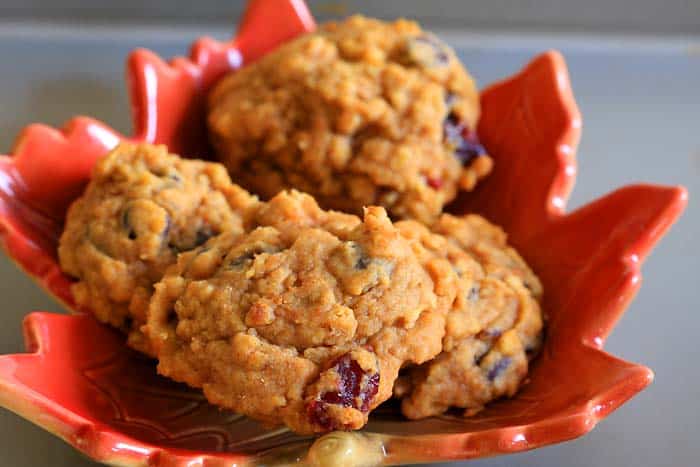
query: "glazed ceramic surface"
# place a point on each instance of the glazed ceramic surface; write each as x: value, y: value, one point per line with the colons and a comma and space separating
x: 108, y: 401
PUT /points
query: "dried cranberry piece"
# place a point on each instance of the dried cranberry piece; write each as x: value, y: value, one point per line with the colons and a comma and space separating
x: 466, y: 142
x: 356, y: 389
x: 319, y: 416
x: 434, y: 183
x: 354, y: 383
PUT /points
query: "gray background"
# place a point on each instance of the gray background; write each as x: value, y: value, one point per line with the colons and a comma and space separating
x: 649, y: 16
x: 639, y: 93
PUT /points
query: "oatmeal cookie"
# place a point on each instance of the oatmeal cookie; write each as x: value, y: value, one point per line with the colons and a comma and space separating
x: 141, y: 208
x: 305, y: 319
x: 359, y: 113
x: 493, y: 328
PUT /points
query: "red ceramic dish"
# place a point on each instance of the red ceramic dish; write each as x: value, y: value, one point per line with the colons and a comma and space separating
x: 108, y: 401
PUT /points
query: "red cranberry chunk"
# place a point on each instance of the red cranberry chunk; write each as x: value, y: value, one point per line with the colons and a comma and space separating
x: 434, y: 183
x: 356, y: 389
x: 319, y: 416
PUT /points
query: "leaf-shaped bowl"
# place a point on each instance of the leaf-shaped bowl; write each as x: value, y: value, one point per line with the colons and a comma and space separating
x: 82, y: 383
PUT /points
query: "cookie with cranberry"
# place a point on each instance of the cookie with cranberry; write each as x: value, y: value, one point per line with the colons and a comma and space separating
x: 361, y: 112
x: 305, y: 319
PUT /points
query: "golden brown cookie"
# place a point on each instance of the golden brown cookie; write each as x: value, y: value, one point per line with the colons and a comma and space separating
x: 141, y: 208
x: 359, y: 113
x: 305, y: 319
x: 493, y: 328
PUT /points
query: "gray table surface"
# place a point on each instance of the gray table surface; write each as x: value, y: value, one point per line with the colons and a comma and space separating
x: 640, y: 99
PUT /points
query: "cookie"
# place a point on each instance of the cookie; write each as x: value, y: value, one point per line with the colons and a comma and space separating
x: 141, y: 209
x: 493, y: 328
x: 359, y: 113
x: 304, y: 319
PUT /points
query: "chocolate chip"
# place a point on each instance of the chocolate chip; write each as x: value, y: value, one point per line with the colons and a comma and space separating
x: 498, y: 368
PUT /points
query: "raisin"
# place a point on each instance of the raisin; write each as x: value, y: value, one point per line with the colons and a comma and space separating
x: 131, y: 232
x: 427, y: 51
x: 450, y: 100
x: 492, y: 333
x: 478, y: 358
x: 498, y: 368
x: 246, y: 256
x: 126, y: 224
x: 239, y: 261
x: 162, y: 172
x: 363, y: 261
x: 464, y: 141
x: 168, y: 226
x: 202, y: 236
